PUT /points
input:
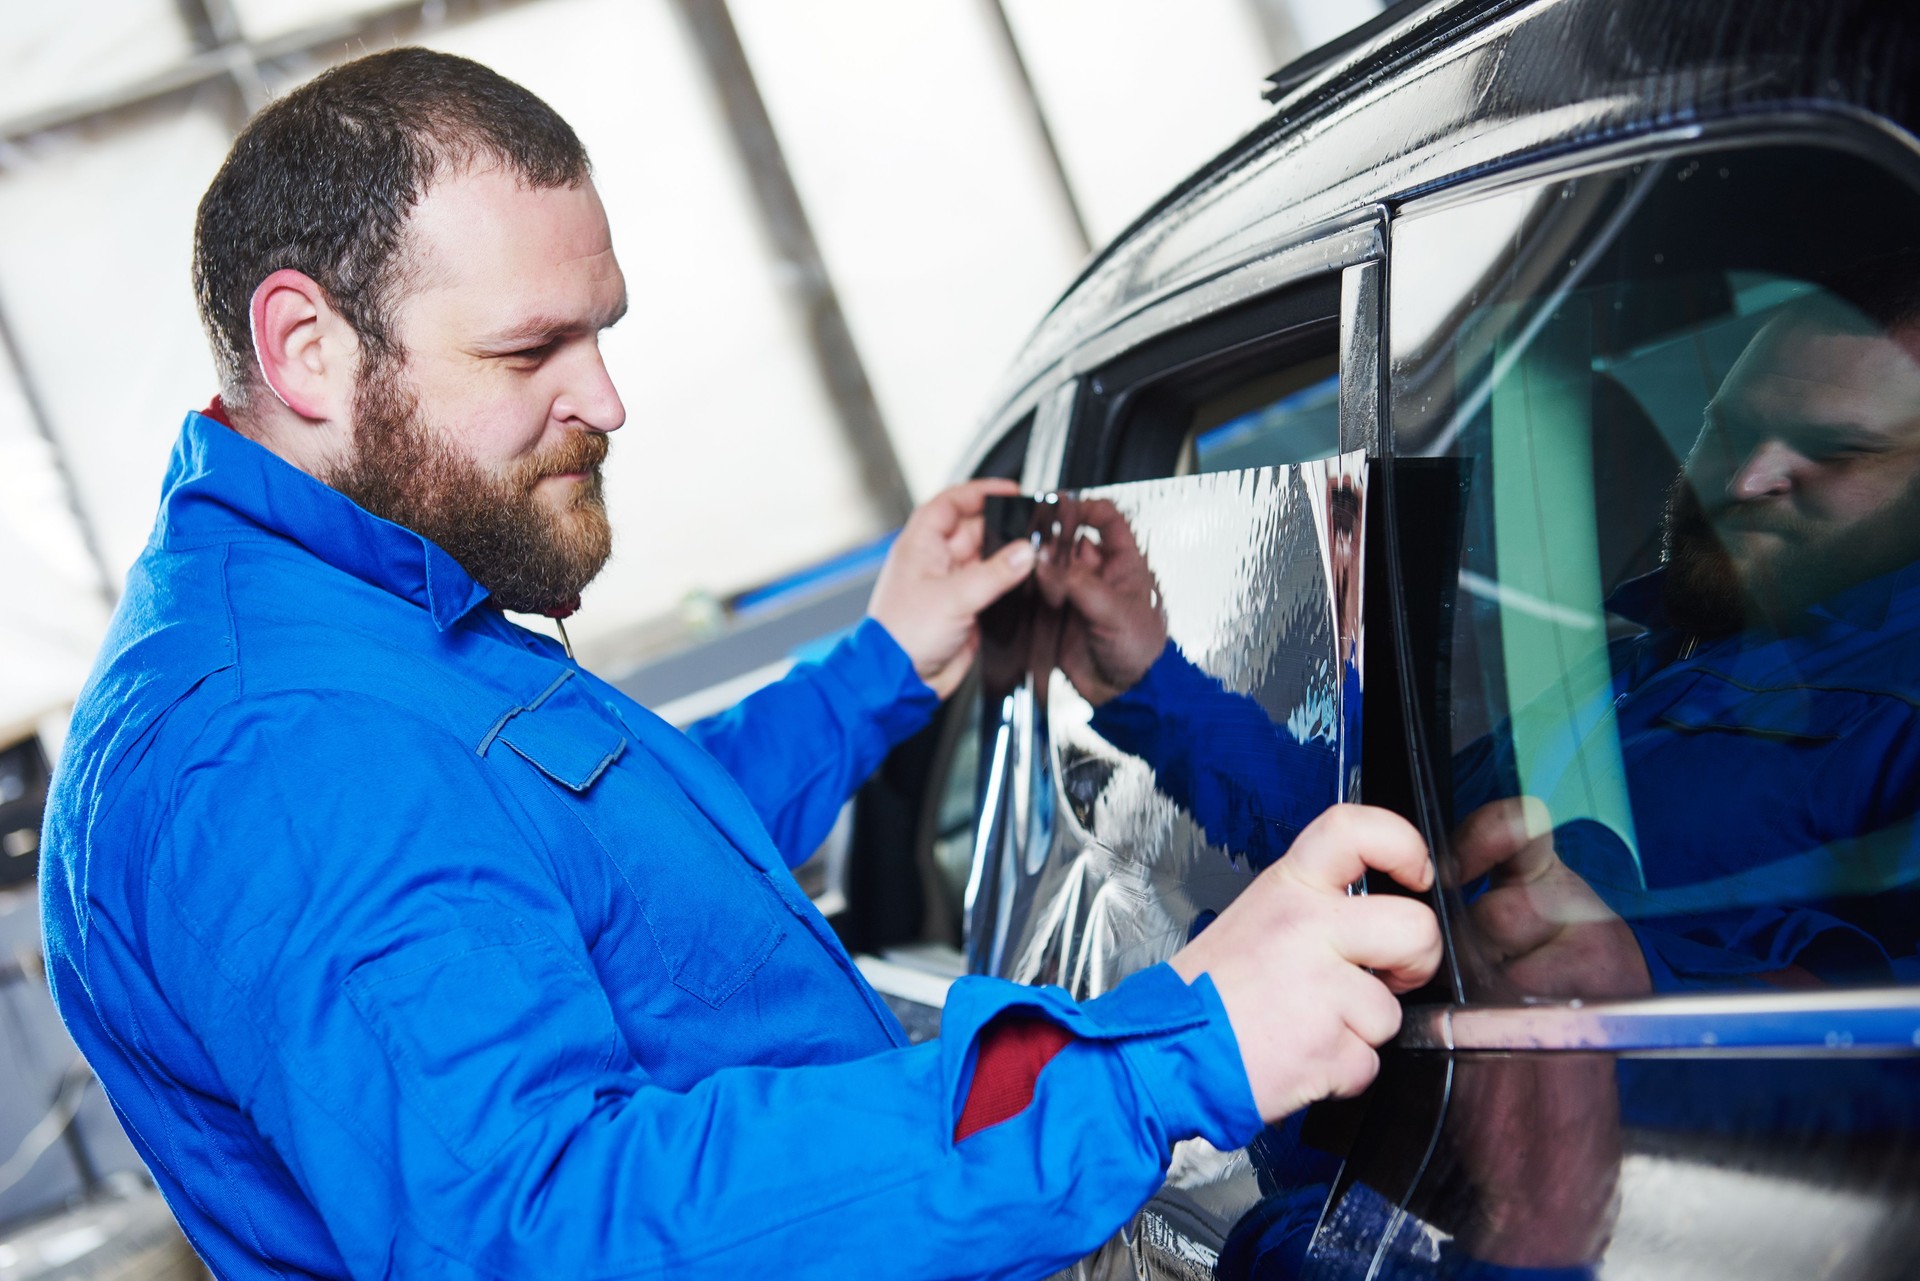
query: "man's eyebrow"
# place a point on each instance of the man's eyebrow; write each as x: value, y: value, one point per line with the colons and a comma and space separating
x: 539, y: 331
x: 1841, y: 433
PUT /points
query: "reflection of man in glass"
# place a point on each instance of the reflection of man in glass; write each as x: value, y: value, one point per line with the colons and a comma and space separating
x: 1765, y: 715
x: 1806, y: 474
x: 1252, y: 785
x: 1766, y: 718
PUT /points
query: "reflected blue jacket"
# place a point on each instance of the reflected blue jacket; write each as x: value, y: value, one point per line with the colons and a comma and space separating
x: 403, y: 946
x: 1252, y: 782
x: 1774, y: 780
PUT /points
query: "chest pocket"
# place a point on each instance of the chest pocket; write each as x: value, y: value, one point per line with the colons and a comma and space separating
x: 713, y: 919
x: 1783, y: 713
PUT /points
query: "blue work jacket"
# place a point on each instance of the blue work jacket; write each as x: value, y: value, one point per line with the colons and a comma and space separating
x: 1774, y: 780
x: 405, y: 947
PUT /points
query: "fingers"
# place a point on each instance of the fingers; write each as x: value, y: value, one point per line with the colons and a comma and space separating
x: 1370, y: 1009
x: 1100, y: 601
x: 1116, y: 535
x: 963, y: 544
x: 946, y: 509
x: 1352, y: 1069
x: 1510, y: 923
x: 1338, y: 847
x: 1397, y: 938
x: 1500, y: 833
x: 978, y: 585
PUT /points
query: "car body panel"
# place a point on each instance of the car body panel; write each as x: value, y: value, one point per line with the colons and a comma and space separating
x: 1719, y: 1132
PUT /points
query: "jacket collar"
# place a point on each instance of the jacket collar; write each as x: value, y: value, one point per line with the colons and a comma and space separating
x: 222, y: 487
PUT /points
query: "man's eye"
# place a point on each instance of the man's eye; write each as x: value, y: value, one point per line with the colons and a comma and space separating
x: 531, y: 355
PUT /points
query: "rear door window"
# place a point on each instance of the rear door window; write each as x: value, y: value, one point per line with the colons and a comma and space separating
x: 1257, y: 385
x: 1662, y: 431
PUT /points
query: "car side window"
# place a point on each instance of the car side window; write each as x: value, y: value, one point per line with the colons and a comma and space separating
x: 1291, y: 415
x: 1256, y: 386
x: 943, y: 836
x: 1663, y: 422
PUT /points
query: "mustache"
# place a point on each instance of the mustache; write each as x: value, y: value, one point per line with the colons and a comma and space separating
x: 581, y: 451
x: 1688, y: 516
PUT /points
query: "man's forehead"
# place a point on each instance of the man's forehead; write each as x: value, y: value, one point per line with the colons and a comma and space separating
x: 1806, y: 371
x: 485, y: 233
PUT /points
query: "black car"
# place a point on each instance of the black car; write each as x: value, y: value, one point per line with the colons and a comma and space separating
x: 1520, y: 431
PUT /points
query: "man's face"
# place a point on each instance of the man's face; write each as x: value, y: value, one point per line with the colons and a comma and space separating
x: 487, y: 437
x: 1805, y: 479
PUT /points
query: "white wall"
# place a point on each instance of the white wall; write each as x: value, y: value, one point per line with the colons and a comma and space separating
x: 937, y: 210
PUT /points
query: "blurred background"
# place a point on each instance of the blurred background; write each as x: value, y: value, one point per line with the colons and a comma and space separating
x: 838, y: 219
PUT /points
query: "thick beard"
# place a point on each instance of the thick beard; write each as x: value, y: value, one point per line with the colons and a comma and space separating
x: 529, y: 557
x: 1701, y: 585
x: 1711, y: 593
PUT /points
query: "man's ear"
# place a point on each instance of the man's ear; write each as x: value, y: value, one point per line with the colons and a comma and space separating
x: 305, y: 348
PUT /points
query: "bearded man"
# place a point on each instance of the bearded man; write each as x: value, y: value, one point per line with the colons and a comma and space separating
x: 1766, y: 718
x: 405, y: 946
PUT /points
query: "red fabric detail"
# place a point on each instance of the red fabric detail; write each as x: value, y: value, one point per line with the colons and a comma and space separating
x: 1013, y: 1049
x: 217, y: 410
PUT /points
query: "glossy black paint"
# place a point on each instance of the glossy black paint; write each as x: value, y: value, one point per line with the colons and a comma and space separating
x: 1746, y: 1137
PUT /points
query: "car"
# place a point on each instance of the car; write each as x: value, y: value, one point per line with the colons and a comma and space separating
x: 1519, y: 431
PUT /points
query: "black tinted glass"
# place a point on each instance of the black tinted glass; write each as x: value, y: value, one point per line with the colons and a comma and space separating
x: 1666, y: 421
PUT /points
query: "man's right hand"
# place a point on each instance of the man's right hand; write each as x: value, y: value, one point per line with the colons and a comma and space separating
x: 1290, y: 958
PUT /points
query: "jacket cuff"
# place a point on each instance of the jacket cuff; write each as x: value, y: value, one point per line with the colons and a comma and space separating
x: 1195, y: 1074
x: 1174, y: 1039
x: 871, y: 675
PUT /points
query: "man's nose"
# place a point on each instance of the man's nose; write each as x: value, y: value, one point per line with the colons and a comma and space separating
x: 589, y: 397
x: 1767, y: 471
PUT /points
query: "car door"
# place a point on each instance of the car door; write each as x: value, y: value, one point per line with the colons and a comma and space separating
x: 1655, y: 493
x: 1187, y: 681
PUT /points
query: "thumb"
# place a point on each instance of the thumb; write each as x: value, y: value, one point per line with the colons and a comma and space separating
x: 1500, y: 833
x: 984, y: 582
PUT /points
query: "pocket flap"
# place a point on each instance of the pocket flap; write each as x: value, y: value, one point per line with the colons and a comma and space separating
x: 1800, y: 712
x: 563, y: 740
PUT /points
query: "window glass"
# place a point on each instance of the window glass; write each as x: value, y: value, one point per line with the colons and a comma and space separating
x: 1663, y: 423
x: 951, y: 806
x: 1288, y: 417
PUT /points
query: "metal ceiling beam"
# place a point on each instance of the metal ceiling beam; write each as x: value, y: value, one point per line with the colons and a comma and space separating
x: 248, y: 65
x: 783, y: 216
x: 69, y: 483
x: 1036, y: 114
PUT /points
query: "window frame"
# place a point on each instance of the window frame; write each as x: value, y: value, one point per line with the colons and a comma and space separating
x: 1877, y: 1020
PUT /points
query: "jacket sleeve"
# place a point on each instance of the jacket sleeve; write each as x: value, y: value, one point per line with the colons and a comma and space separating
x: 1251, y: 784
x: 803, y: 745
x: 371, y: 942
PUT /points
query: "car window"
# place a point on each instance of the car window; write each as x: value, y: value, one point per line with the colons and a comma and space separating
x: 1255, y: 386
x: 1291, y: 415
x: 1664, y: 420
x: 947, y: 825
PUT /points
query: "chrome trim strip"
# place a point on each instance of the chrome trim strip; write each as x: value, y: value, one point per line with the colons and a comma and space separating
x: 1047, y: 444
x: 1323, y: 249
x: 1862, y: 133
x: 1877, y: 1020
x: 1360, y: 363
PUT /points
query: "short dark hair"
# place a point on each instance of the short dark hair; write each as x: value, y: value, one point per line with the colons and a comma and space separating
x: 324, y: 180
x: 1884, y: 289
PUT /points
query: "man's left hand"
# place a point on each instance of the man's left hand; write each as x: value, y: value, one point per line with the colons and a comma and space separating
x: 934, y: 584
